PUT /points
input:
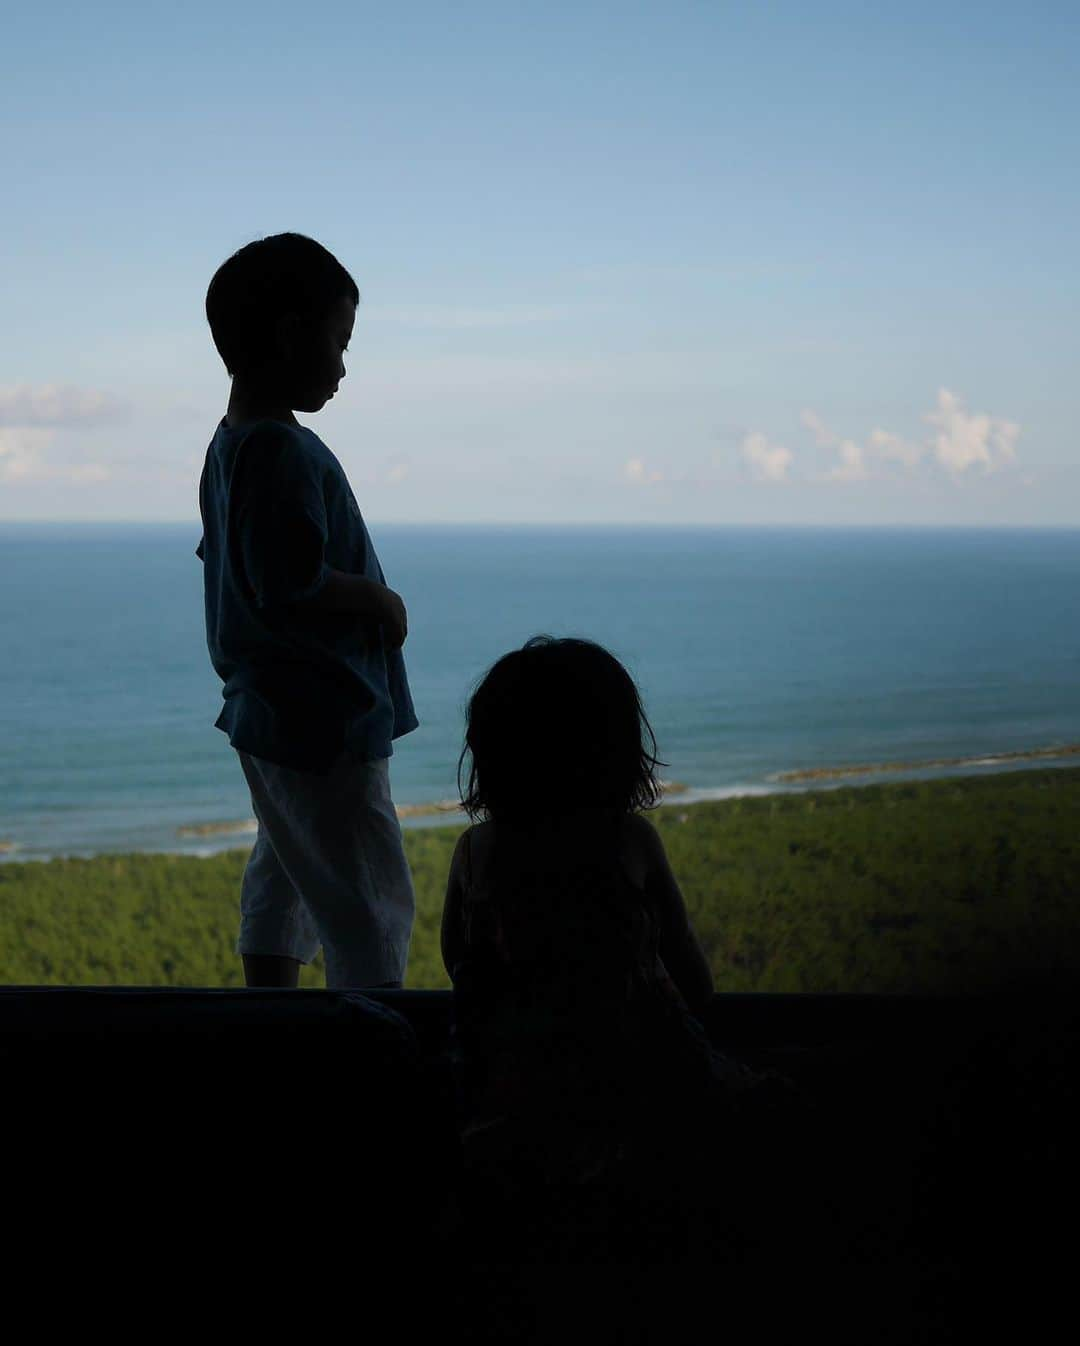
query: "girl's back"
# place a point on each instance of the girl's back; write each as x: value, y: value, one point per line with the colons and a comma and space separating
x: 559, y: 904
x: 576, y: 972
x: 571, y: 1033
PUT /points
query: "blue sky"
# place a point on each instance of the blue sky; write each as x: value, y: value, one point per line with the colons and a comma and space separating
x: 675, y: 263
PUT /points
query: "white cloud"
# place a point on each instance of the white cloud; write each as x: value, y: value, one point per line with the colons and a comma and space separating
x: 769, y: 462
x: 638, y: 474
x: 888, y: 445
x: 27, y: 454
x: 852, y: 465
x: 25, y: 404
x: 394, y: 471
x: 964, y: 440
x: 35, y: 425
x: 824, y: 438
x: 21, y: 452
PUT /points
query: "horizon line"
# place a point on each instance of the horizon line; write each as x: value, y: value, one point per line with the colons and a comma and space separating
x: 847, y: 526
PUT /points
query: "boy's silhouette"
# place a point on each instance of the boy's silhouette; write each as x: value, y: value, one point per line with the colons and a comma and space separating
x: 303, y: 631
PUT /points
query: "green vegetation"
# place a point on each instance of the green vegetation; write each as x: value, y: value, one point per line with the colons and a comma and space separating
x: 957, y: 884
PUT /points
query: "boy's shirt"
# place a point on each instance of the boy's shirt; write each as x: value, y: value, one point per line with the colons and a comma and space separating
x: 302, y: 685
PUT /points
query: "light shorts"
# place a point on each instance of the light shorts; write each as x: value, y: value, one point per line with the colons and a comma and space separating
x: 327, y: 868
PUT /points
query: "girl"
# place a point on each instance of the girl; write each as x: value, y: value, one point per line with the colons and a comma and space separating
x: 578, y: 979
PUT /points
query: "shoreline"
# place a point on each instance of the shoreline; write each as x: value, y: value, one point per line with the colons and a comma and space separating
x: 930, y: 764
x: 222, y: 837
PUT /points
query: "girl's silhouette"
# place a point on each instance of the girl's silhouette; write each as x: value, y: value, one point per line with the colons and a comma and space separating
x: 578, y: 979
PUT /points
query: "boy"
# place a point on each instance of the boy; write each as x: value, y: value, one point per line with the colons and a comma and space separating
x: 303, y: 631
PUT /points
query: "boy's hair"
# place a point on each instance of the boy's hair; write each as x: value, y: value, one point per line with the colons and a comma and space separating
x: 285, y: 273
x: 555, y: 727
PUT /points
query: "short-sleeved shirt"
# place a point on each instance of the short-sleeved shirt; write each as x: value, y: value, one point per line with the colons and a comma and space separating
x: 302, y: 686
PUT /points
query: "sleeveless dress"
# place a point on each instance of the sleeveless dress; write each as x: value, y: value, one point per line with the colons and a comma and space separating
x: 578, y: 1059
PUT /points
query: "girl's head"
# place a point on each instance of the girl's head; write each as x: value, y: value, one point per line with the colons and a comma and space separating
x: 555, y: 727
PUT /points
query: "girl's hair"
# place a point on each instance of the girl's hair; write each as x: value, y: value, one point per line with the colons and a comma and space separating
x: 555, y: 727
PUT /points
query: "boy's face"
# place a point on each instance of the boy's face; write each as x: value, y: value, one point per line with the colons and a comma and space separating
x: 316, y: 349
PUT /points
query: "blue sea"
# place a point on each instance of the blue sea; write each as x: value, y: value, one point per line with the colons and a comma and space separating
x: 759, y: 652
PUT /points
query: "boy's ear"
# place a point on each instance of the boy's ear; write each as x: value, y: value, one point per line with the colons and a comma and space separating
x: 286, y: 335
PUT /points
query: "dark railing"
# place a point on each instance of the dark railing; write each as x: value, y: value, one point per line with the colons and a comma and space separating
x: 755, y: 1019
x: 177, y: 1139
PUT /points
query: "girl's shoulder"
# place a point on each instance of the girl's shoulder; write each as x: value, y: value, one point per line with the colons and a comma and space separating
x: 640, y: 842
x: 565, y: 840
x: 639, y: 831
x: 472, y: 856
x: 478, y: 840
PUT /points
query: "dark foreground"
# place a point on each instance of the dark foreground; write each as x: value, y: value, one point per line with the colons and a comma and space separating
x: 189, y: 1163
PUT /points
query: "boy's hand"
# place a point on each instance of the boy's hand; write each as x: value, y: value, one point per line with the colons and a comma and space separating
x: 368, y: 601
x: 393, y: 618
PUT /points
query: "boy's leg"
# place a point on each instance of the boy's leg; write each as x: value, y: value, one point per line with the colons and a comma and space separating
x: 372, y: 856
x: 338, y: 841
x: 268, y: 969
x: 276, y: 932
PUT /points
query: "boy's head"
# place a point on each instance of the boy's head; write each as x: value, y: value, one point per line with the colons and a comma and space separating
x: 281, y: 312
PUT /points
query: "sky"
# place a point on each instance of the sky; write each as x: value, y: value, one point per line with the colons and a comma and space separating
x: 670, y: 263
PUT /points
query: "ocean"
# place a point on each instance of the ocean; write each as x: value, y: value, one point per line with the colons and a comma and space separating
x: 767, y: 658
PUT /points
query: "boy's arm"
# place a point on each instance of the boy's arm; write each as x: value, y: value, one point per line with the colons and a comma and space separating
x: 680, y: 951
x: 282, y: 525
x: 367, y: 599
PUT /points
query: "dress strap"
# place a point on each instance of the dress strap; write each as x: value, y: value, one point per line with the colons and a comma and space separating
x: 479, y: 910
x: 467, y: 853
x: 472, y: 895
